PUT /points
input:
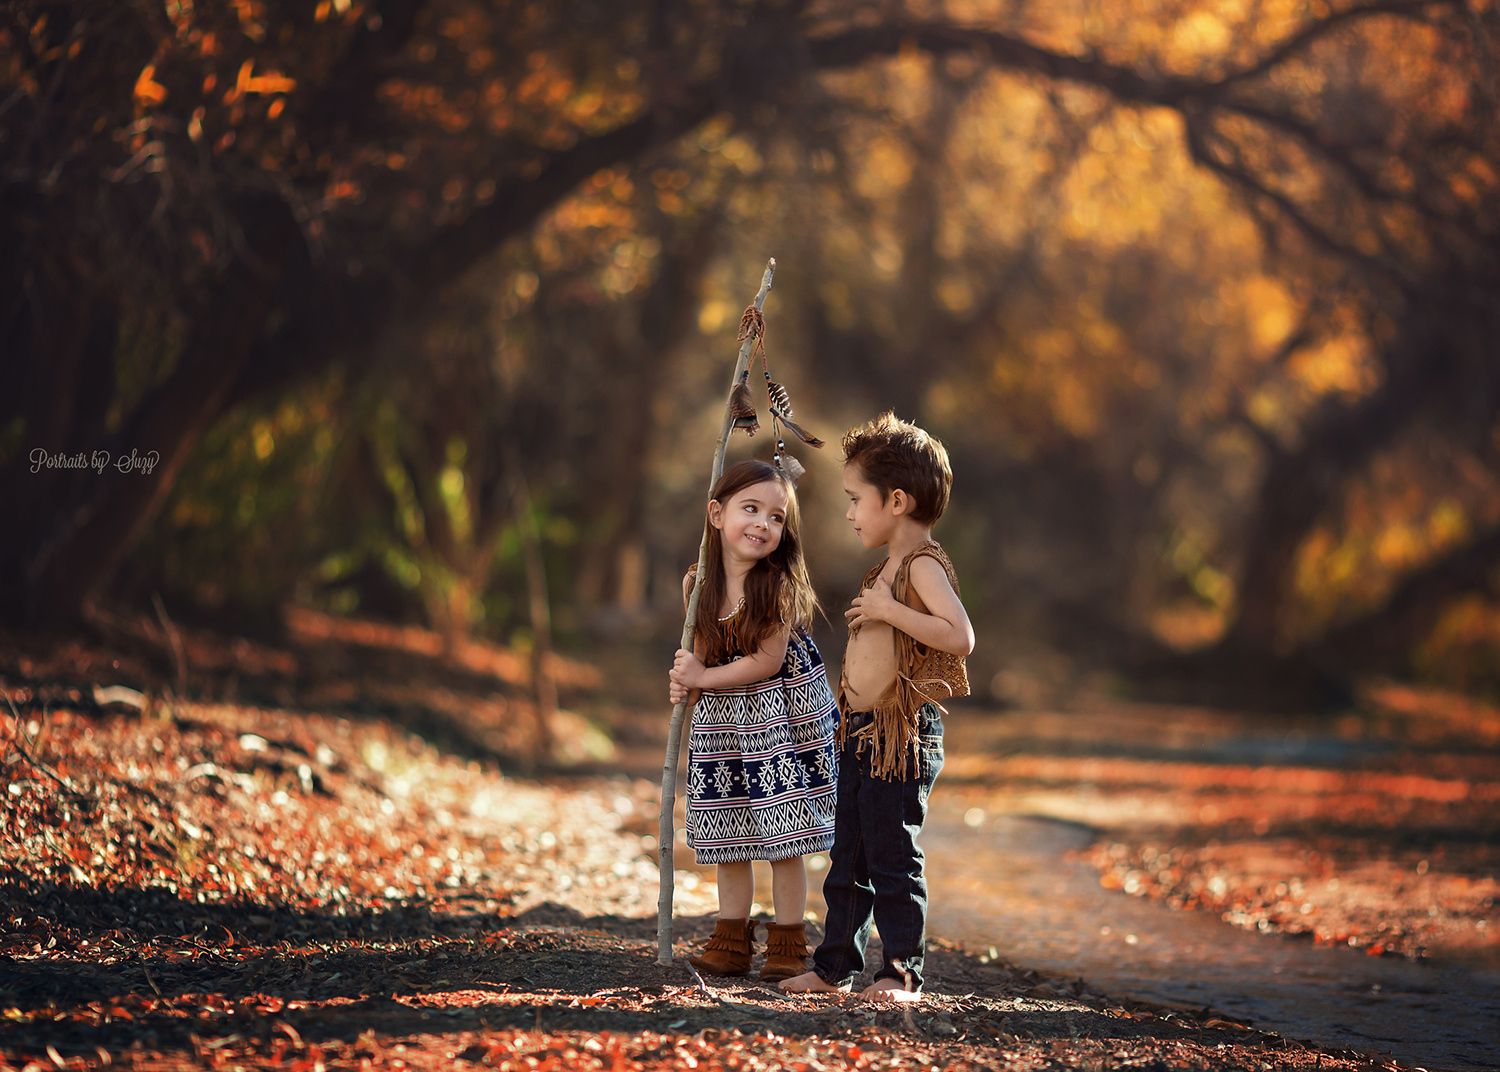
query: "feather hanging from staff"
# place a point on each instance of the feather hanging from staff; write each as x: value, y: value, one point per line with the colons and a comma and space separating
x: 742, y: 408
x: 788, y: 464
x: 797, y: 430
x: 780, y: 400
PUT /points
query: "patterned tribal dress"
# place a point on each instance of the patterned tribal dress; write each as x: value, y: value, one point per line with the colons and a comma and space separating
x: 761, y: 764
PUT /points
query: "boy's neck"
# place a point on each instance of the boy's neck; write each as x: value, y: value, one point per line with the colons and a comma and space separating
x: 907, y: 538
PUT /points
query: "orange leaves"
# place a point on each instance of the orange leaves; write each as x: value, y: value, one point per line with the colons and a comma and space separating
x: 1340, y: 364
x: 252, y: 18
x: 247, y: 82
x: 148, y: 90
x: 343, y: 190
x: 326, y: 8
x: 546, y: 86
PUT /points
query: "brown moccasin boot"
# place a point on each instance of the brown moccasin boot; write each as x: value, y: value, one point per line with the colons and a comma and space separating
x: 729, y: 949
x: 786, y: 951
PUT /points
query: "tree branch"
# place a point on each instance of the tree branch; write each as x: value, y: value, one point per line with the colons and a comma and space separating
x: 854, y: 46
x: 1187, y: 95
x: 1240, y: 176
x: 1310, y: 34
x: 349, y: 315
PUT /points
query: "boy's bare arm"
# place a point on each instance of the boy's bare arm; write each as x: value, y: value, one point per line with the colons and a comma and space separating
x: 946, y: 624
x: 931, y: 582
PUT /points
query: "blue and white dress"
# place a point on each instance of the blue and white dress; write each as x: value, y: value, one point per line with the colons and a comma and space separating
x: 762, y: 768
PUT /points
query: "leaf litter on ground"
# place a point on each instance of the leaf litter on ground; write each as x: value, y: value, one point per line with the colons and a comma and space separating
x: 233, y: 886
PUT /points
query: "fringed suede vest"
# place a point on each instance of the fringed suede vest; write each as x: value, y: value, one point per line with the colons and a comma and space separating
x: 923, y: 675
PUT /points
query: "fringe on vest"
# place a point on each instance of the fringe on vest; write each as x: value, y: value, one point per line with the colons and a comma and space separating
x: 923, y: 675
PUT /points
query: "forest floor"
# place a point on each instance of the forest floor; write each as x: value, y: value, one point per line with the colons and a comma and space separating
x: 1377, y: 829
x: 320, y: 868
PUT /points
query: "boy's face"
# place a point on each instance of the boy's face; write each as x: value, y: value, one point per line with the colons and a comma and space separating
x: 872, y: 515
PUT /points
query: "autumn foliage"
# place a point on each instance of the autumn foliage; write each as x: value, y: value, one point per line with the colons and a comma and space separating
x: 359, y: 271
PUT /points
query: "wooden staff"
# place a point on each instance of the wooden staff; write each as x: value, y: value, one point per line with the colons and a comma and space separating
x: 674, y: 729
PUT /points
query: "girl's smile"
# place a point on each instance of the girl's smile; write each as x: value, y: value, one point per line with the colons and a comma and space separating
x: 753, y: 519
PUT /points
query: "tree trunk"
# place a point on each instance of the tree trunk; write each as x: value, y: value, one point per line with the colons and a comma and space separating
x: 1301, y: 485
x: 539, y: 604
x: 664, y: 317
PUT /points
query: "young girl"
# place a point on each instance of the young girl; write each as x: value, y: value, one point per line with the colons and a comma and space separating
x: 761, y: 772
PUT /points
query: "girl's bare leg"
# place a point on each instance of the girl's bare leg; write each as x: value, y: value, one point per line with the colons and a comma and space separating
x: 789, y: 889
x: 736, y: 890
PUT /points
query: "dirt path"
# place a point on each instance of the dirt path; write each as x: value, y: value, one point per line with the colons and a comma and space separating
x: 236, y: 887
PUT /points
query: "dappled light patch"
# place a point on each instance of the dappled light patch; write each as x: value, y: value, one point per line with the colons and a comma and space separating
x: 221, y: 886
x: 1375, y: 828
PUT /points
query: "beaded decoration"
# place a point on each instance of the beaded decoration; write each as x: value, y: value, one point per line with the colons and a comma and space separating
x: 778, y: 400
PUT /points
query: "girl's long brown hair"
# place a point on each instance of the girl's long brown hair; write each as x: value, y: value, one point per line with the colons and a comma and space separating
x: 778, y: 593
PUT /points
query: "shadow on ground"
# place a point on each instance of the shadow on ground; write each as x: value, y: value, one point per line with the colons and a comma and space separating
x: 550, y: 969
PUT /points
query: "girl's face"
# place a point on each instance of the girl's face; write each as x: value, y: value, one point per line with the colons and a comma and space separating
x: 753, y: 520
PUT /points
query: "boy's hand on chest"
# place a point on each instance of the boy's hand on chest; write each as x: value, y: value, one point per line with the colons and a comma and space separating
x: 874, y: 604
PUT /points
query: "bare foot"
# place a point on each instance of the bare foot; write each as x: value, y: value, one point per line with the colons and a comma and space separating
x: 889, y: 990
x: 810, y: 983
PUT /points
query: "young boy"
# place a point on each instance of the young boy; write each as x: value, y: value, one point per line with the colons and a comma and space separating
x: 908, y: 634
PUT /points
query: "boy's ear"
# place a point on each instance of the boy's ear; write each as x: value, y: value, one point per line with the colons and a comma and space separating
x: 901, y: 502
x: 716, y: 513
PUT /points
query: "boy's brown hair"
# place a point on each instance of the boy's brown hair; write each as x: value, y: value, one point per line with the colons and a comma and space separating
x: 892, y: 453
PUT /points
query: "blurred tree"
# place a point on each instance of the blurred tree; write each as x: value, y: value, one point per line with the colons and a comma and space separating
x: 1150, y: 357
x: 205, y: 205
x: 223, y: 203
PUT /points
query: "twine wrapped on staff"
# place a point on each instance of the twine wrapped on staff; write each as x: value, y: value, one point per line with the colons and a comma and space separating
x: 739, y: 412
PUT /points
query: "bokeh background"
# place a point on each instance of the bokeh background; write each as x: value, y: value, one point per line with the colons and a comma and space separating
x: 361, y: 368
x: 427, y: 311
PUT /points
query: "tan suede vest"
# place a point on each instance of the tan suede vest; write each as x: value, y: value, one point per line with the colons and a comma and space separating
x: 923, y: 675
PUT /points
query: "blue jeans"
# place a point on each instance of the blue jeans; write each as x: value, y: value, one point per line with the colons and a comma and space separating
x: 875, y: 871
